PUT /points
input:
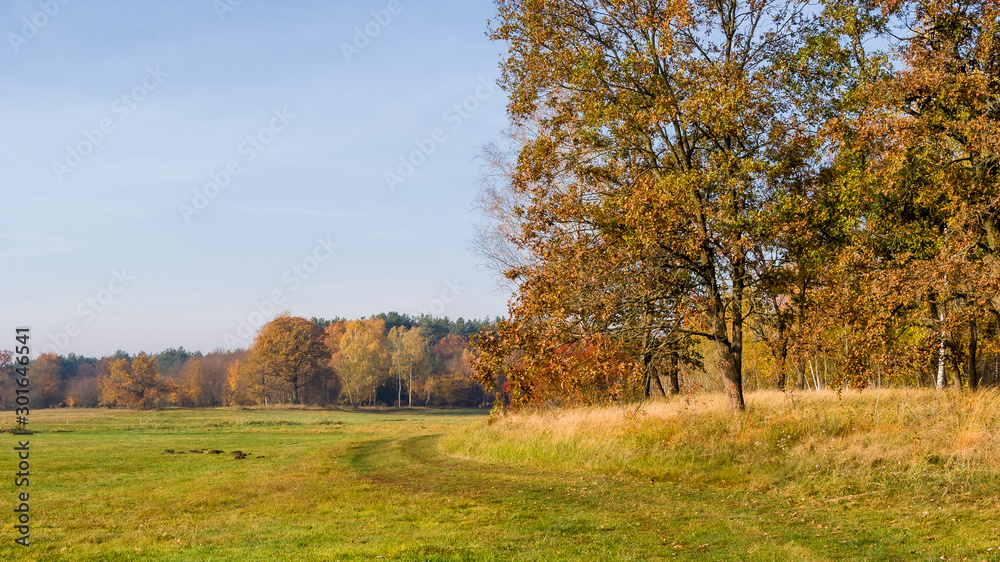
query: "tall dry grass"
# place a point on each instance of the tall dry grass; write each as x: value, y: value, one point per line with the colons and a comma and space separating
x: 890, y: 435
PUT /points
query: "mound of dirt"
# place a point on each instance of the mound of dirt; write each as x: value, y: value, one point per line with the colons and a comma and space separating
x: 215, y: 452
x: 239, y: 454
x: 168, y: 452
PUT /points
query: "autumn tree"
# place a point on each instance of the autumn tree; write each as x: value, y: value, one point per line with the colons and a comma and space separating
x: 7, y: 392
x: 83, y: 391
x: 216, y: 367
x: 333, y: 333
x: 247, y: 383
x: 46, y: 379
x: 921, y: 157
x: 289, y: 349
x: 947, y: 152
x: 654, y: 143
x: 203, y: 380
x: 134, y: 383
x: 408, y: 355
x: 190, y: 384
x: 457, y: 384
x: 363, y: 360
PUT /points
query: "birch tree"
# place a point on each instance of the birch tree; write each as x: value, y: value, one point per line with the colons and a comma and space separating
x: 363, y: 360
x: 408, y: 350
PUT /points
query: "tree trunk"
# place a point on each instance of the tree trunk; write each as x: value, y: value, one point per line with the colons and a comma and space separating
x: 295, y: 390
x: 647, y: 375
x: 958, y: 373
x: 409, y: 390
x: 800, y: 383
x: 732, y: 350
x: 675, y: 387
x: 973, y: 369
x: 782, y: 357
x: 655, y: 389
x: 647, y: 357
x: 732, y: 373
x: 942, y: 375
x: 729, y: 360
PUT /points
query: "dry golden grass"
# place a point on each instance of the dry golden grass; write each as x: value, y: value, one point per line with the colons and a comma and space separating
x: 884, y: 474
x: 877, y: 431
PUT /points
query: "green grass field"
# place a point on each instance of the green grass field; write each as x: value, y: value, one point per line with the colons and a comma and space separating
x: 597, y: 484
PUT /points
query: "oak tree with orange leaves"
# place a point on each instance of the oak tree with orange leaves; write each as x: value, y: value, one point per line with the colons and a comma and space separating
x: 654, y: 142
x: 288, y: 349
x: 134, y: 383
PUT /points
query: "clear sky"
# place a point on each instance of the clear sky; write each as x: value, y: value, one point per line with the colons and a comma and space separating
x: 175, y: 173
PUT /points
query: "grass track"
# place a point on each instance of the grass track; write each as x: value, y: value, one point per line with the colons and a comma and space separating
x: 338, y: 485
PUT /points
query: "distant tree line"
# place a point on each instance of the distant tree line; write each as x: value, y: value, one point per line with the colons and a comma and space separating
x: 390, y: 359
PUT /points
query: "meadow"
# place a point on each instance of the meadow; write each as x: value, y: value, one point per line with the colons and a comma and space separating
x: 878, y: 475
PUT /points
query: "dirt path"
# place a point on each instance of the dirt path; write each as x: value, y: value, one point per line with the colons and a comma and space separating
x: 530, y: 513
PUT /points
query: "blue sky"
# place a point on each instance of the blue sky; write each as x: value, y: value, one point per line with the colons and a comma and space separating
x: 176, y: 172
